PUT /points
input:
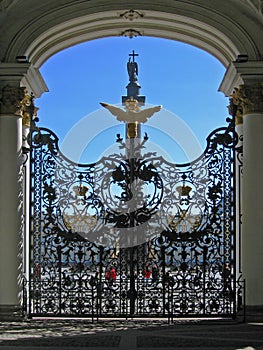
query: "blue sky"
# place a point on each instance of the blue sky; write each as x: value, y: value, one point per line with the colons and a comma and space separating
x: 180, y: 77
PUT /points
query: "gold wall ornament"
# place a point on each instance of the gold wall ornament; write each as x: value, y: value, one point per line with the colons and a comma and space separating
x: 249, y: 97
x: 10, y: 99
x: 131, y: 14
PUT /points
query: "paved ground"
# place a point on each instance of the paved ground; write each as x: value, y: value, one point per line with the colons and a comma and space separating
x: 54, y: 334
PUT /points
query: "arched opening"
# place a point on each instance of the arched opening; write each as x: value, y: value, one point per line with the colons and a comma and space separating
x: 191, y: 24
x: 182, y: 78
x: 132, y: 211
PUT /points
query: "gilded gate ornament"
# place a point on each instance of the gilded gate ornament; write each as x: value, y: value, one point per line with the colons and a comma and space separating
x: 27, y: 109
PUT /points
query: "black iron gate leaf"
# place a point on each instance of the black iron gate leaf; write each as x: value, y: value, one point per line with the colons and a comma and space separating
x: 136, y: 236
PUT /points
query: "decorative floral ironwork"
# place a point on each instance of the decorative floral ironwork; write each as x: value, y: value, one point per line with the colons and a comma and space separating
x: 130, y: 211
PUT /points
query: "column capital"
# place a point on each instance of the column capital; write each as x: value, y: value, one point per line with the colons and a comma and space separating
x: 16, y: 101
x: 249, y: 98
x: 10, y: 99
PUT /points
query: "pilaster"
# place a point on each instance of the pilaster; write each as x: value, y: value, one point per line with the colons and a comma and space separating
x: 11, y: 200
x: 18, y: 83
x: 249, y: 100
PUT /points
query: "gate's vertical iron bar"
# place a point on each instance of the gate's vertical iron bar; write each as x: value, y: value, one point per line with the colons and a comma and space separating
x: 132, y: 283
x: 163, y: 283
x: 101, y: 280
x: 132, y: 187
x: 31, y: 230
x: 60, y: 277
x: 30, y: 213
x: 234, y: 219
x: 25, y: 237
x: 245, y: 300
x: 35, y: 231
x: 93, y: 288
x: 204, y: 278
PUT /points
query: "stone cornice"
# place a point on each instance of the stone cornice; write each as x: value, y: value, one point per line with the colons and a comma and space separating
x: 239, y: 73
x: 22, y: 74
x: 34, y: 82
x: 12, y: 73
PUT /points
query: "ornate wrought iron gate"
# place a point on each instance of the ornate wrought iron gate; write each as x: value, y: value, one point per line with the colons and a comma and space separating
x: 166, y: 232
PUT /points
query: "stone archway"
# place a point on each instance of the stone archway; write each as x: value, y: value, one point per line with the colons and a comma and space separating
x: 194, y: 23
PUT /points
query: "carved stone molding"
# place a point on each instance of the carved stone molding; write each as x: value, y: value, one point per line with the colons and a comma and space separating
x: 131, y: 14
x: 131, y: 33
x: 5, y: 4
x: 249, y: 98
x: 10, y: 99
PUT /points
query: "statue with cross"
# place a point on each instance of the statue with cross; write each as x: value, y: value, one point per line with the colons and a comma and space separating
x: 132, y: 67
x: 133, y: 116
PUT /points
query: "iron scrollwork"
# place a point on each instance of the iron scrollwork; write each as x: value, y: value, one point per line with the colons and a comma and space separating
x: 130, y: 212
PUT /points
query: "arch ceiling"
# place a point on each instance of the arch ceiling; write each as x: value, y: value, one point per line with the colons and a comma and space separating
x: 38, y: 30
x: 153, y: 23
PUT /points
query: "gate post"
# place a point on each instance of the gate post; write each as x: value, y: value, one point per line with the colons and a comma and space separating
x: 12, y: 75
x: 250, y: 97
x: 244, y: 82
x: 10, y: 202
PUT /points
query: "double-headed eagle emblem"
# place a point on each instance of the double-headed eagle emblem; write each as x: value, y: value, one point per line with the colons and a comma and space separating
x: 132, y: 114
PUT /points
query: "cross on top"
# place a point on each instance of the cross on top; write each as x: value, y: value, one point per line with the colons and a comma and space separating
x: 133, y: 54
